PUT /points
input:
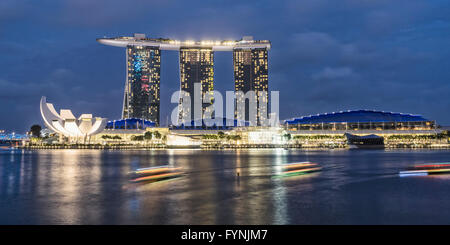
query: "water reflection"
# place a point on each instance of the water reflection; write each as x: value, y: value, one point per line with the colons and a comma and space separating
x: 92, y: 187
x: 279, y: 191
x: 68, y: 184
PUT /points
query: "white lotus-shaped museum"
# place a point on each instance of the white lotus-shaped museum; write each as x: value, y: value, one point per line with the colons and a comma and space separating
x: 67, y: 124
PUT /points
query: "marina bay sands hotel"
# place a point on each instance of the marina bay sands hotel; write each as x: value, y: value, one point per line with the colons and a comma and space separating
x: 143, y: 55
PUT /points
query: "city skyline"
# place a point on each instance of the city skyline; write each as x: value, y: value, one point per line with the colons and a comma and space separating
x: 387, y: 57
x: 142, y: 86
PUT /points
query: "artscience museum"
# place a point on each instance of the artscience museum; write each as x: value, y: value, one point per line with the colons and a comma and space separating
x: 66, y: 124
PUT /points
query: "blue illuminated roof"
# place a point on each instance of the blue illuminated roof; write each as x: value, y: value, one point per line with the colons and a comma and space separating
x: 357, y: 116
x: 130, y: 123
x: 226, y: 123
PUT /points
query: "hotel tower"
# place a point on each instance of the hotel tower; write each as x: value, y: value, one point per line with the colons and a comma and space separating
x: 251, y: 74
x: 142, y: 97
x: 196, y: 66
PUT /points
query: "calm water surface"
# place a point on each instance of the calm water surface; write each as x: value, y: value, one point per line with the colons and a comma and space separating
x: 92, y: 187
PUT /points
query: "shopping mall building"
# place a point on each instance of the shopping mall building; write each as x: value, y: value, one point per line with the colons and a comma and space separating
x: 361, y: 120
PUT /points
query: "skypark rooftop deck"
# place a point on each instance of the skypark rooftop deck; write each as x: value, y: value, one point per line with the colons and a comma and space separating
x: 246, y: 42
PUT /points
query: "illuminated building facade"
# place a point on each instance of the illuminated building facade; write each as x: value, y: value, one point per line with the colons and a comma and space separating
x: 251, y: 74
x: 360, y: 120
x: 130, y: 124
x: 196, y: 66
x: 141, y: 97
x: 65, y: 123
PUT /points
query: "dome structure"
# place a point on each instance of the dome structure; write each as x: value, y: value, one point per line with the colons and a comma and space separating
x: 361, y: 116
x: 67, y: 124
x: 361, y: 120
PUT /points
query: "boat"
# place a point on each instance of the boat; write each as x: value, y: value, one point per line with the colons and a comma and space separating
x: 426, y: 169
x: 299, y: 168
x: 371, y: 141
x: 157, y: 173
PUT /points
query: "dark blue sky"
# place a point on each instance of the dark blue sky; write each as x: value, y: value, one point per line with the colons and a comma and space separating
x: 326, y: 55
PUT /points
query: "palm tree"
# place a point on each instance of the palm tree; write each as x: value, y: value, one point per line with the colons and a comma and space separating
x: 157, y: 134
x: 148, y: 135
x: 36, y: 130
x: 221, y: 134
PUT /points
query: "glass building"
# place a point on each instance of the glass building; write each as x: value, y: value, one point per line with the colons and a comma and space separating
x: 141, y: 97
x: 196, y: 66
x: 130, y: 123
x: 360, y: 120
x: 251, y: 74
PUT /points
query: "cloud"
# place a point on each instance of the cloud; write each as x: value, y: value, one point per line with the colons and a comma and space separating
x: 103, y: 13
x: 314, y: 45
x: 12, y: 10
x: 334, y: 73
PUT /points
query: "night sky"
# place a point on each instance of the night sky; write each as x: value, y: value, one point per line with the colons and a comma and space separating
x: 326, y: 55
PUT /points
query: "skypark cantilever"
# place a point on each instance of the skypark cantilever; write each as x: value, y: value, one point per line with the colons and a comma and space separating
x: 142, y: 96
x: 246, y: 42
